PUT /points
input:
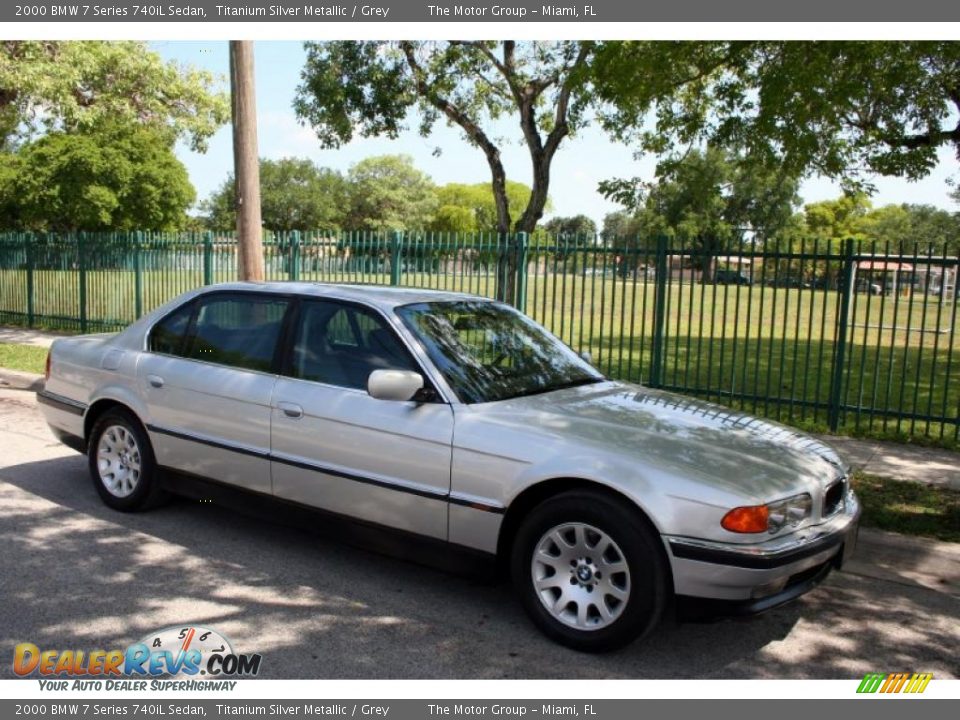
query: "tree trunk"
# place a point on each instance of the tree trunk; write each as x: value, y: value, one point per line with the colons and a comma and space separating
x: 246, y: 163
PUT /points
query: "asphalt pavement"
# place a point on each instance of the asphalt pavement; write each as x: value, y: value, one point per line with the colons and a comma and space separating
x: 74, y: 574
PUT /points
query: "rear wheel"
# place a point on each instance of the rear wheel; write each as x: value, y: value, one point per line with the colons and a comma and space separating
x: 121, y: 463
x: 589, y: 571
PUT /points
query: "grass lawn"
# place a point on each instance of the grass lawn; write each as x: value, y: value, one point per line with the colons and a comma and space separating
x: 768, y: 351
x: 909, y: 508
x: 26, y: 358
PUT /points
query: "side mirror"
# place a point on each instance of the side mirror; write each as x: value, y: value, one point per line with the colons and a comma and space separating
x: 399, y: 385
x: 586, y: 357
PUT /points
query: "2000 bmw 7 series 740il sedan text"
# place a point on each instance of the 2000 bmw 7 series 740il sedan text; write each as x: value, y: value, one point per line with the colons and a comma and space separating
x: 456, y: 422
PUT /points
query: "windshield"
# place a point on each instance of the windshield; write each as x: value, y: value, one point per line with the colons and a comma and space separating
x: 487, y: 351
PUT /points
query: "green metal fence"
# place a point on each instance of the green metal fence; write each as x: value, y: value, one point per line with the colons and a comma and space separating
x: 855, y: 336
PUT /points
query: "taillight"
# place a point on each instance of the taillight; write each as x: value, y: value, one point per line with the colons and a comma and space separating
x: 46, y: 371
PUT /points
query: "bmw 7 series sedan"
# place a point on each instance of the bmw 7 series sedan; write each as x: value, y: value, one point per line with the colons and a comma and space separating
x: 459, y: 423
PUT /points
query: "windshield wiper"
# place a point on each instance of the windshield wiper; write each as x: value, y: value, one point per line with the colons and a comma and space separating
x: 559, y: 386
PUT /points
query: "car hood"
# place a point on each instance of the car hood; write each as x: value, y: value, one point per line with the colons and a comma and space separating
x: 743, y: 453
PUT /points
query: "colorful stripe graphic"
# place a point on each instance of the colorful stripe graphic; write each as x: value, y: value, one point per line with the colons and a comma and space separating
x: 895, y: 682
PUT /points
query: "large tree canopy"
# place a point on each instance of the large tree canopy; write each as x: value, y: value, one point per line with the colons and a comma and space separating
x: 472, y: 208
x: 834, y: 108
x: 708, y: 199
x: 295, y: 194
x: 389, y: 193
x: 76, y: 85
x: 116, y: 178
x: 369, y: 88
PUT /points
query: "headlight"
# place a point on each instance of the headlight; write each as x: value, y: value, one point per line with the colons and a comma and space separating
x: 772, y: 517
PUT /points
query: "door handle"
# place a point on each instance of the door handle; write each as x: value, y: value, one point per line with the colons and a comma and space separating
x: 291, y: 410
x: 155, y: 380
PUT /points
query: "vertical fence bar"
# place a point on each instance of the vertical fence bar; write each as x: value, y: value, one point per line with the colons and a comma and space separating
x: 82, y: 269
x: 843, y: 320
x: 294, y: 269
x: 396, y: 248
x: 31, y: 295
x: 659, y: 312
x: 137, y: 274
x: 521, y: 250
x: 208, y: 258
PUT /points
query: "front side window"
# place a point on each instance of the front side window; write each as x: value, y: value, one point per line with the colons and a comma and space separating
x: 341, y: 345
x: 489, y: 352
x: 237, y: 330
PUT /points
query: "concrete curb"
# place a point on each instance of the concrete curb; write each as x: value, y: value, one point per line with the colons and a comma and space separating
x: 15, y: 380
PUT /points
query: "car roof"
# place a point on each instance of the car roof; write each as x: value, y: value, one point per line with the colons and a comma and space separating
x: 377, y: 295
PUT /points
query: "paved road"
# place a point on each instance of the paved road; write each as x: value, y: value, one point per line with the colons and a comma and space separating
x: 74, y: 574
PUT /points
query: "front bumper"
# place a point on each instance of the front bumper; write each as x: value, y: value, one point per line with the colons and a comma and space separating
x: 763, y: 575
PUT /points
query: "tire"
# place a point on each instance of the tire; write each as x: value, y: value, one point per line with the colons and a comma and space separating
x: 600, y: 534
x: 121, y: 463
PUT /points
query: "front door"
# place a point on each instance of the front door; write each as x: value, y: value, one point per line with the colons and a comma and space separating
x: 337, y: 448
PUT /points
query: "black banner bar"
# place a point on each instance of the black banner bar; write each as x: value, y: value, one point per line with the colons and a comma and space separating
x: 418, y: 11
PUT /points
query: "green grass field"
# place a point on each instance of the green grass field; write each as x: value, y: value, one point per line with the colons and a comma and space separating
x: 910, y: 508
x: 765, y: 350
x: 25, y: 358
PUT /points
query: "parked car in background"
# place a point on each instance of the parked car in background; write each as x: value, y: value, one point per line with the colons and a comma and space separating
x: 788, y: 282
x: 457, y: 424
x: 731, y: 277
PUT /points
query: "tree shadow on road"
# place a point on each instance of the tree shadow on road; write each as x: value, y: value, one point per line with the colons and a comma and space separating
x: 75, y: 574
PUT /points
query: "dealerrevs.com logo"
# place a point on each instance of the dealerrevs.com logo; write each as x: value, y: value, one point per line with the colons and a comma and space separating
x: 174, y: 652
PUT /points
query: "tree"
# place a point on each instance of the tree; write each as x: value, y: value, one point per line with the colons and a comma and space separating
x: 295, y: 194
x: 834, y: 108
x: 389, y: 193
x: 577, y: 227
x: 114, y: 178
x: 618, y: 226
x: 472, y: 208
x: 369, y: 88
x: 709, y: 199
x: 908, y: 225
x: 75, y: 86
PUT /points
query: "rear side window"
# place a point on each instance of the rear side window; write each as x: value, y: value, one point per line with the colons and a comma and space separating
x: 167, y: 335
x: 240, y: 331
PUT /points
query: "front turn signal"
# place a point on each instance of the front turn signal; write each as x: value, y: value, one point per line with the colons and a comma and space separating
x: 752, y: 519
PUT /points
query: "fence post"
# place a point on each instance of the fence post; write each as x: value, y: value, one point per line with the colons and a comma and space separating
x: 137, y: 275
x: 659, y: 313
x: 82, y: 266
x: 31, y: 295
x: 843, y: 323
x: 396, y: 248
x: 520, y: 301
x: 208, y: 258
x: 294, y: 271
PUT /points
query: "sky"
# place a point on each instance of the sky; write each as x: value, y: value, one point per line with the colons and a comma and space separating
x: 581, y: 163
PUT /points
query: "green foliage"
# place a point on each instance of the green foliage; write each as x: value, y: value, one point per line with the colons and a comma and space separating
x: 116, y: 178
x: 472, y: 208
x: 77, y: 85
x: 577, y: 226
x: 710, y: 197
x: 907, y: 224
x: 619, y: 225
x: 370, y: 89
x: 295, y: 194
x: 834, y: 108
x: 389, y: 193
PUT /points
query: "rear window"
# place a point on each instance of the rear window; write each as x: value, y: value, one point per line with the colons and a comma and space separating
x: 239, y: 331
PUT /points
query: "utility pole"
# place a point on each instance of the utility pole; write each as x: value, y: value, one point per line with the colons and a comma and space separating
x: 246, y: 162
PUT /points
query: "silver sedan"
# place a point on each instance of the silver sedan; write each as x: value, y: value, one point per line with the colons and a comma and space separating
x: 456, y: 424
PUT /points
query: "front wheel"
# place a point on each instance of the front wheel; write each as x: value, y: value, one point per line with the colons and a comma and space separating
x: 590, y: 571
x: 121, y: 463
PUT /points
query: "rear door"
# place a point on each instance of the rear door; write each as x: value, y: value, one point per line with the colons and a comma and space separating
x: 208, y: 378
x: 337, y: 448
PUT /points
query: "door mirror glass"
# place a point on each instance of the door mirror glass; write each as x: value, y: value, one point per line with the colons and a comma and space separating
x: 394, y: 384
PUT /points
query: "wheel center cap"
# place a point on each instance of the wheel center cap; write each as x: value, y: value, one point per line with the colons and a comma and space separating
x: 584, y: 574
